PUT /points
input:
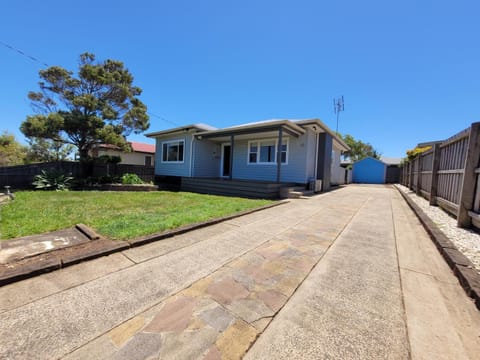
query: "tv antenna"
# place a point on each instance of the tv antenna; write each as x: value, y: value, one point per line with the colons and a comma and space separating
x: 337, y: 107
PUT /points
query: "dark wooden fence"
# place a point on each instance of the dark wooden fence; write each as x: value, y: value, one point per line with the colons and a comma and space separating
x: 448, y: 175
x: 21, y: 177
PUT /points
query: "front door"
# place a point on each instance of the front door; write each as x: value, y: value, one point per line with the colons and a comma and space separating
x: 225, y: 171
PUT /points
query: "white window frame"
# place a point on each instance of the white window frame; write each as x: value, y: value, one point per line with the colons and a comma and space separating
x: 285, y: 141
x: 182, y: 141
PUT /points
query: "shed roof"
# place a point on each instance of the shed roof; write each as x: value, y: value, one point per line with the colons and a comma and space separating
x: 369, y: 158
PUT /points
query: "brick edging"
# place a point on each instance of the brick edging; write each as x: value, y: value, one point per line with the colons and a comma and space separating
x: 98, y: 247
x: 461, y: 266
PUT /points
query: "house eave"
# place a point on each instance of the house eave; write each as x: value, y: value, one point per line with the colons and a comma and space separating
x: 181, y: 129
x: 317, y: 122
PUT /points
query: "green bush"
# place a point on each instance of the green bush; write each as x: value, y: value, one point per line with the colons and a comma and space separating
x: 129, y: 179
x: 108, y: 159
x: 52, y: 180
x: 412, y: 154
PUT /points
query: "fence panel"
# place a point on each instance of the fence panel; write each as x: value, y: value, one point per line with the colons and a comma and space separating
x: 415, y: 171
x: 450, y: 175
x: 426, y: 173
x: 452, y: 162
x: 21, y: 176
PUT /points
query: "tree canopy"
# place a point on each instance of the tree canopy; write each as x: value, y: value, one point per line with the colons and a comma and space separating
x: 11, y: 151
x: 97, y: 105
x: 45, y: 150
x: 359, y: 149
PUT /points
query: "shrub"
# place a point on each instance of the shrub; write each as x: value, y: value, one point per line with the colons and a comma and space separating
x: 129, y: 179
x: 108, y: 159
x: 52, y: 180
x: 412, y: 154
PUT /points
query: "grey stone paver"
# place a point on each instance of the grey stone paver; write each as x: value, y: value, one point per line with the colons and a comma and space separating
x: 141, y: 346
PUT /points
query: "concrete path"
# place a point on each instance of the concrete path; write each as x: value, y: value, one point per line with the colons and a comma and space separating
x: 347, y: 274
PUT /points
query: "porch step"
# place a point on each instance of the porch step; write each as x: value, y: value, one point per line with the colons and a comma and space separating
x: 299, y: 192
x: 242, y: 188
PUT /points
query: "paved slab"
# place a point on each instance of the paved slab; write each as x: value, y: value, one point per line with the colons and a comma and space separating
x: 442, y: 321
x: 316, y: 278
x: 20, y: 248
x: 350, y: 307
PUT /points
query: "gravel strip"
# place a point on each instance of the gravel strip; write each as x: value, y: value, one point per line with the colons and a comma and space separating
x: 467, y: 241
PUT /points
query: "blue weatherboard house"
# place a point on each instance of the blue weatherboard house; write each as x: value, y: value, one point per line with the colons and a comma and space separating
x: 369, y: 171
x: 265, y: 153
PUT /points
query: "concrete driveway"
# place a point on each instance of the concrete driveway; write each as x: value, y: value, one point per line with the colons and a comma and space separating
x: 350, y: 274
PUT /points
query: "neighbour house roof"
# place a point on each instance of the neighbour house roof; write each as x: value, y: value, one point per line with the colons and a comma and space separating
x: 136, y: 147
x: 142, y: 147
x: 198, y: 127
x: 390, y: 160
x: 429, y: 143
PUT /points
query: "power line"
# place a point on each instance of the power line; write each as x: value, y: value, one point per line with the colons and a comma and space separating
x: 163, y: 119
x: 24, y: 54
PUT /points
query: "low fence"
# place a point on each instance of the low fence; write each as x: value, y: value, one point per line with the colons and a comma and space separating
x: 21, y: 176
x: 448, y: 175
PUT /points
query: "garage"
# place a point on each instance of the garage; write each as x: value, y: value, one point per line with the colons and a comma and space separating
x: 369, y: 171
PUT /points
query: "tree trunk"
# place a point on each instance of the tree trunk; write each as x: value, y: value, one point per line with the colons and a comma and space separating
x: 86, y: 168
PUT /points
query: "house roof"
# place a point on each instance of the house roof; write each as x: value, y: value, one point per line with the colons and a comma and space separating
x: 255, y: 127
x: 198, y: 127
x: 136, y: 147
x: 317, y: 122
x: 142, y: 147
x: 294, y: 127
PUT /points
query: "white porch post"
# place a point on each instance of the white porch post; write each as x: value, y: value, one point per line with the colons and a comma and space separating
x: 279, y: 153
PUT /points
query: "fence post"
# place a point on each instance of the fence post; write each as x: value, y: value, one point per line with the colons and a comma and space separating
x: 435, y: 167
x: 410, y: 180
x: 467, y: 191
x: 419, y: 174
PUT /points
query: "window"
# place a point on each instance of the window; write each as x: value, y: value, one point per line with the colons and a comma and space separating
x: 265, y: 151
x: 172, y: 151
x: 252, y: 152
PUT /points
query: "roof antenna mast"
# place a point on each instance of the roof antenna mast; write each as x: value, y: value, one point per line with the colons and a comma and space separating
x: 337, y: 107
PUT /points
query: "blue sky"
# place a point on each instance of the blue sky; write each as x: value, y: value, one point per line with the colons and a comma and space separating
x: 409, y: 70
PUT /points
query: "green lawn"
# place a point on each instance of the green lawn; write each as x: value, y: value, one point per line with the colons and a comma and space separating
x: 117, y: 215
